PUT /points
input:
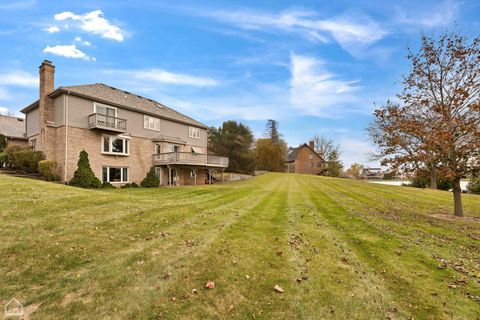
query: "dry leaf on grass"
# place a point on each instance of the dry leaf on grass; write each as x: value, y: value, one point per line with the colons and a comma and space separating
x: 278, y: 288
x: 210, y: 285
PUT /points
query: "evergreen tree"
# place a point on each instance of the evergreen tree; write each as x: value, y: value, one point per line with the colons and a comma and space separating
x: 233, y: 140
x: 84, y: 176
x: 151, y: 180
x: 334, y: 164
x: 272, y: 131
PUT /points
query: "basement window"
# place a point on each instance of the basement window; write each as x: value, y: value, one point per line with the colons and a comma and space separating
x: 115, y: 174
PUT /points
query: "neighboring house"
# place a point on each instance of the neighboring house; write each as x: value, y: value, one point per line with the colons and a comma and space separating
x: 13, y: 129
x: 304, y: 159
x: 372, y: 173
x: 123, y: 133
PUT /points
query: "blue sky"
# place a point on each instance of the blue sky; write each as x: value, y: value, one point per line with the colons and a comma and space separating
x: 317, y: 67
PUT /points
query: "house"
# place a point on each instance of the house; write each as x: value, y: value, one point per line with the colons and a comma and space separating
x: 372, y: 173
x: 124, y: 134
x: 13, y: 129
x: 304, y: 159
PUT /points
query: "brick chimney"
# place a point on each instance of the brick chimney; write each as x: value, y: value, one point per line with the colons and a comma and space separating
x: 312, y: 144
x: 46, y: 112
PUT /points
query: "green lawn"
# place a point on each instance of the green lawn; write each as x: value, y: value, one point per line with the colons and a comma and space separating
x: 339, y: 249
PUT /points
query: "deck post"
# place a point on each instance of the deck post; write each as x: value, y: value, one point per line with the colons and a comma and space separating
x: 195, y: 177
x: 169, y: 177
x: 223, y: 176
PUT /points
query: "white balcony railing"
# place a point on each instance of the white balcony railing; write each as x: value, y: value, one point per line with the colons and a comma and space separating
x: 102, y: 121
x: 190, y: 158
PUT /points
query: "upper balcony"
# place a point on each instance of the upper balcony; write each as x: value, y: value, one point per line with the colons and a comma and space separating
x: 190, y: 158
x: 104, y: 122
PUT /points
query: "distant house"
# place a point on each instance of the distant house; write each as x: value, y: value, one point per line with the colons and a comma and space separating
x: 372, y: 173
x: 13, y: 129
x: 304, y: 159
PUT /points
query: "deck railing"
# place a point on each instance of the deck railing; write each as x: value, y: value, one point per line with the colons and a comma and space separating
x: 190, y: 158
x: 102, y: 121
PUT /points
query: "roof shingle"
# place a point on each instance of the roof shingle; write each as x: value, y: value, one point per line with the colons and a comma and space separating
x: 12, y: 127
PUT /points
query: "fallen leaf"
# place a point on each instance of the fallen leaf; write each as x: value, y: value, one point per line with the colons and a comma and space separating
x: 278, y: 288
x: 210, y: 285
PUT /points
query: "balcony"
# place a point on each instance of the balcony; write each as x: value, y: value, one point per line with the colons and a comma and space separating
x: 190, y: 158
x: 109, y: 123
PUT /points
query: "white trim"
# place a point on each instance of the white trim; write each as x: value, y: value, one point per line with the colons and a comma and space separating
x: 192, y: 130
x: 121, y: 174
x: 105, y: 105
x: 110, y: 153
x: 150, y: 117
x: 160, y: 173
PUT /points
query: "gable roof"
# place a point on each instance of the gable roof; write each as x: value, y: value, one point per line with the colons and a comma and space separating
x: 292, y: 153
x: 110, y: 95
x: 12, y: 127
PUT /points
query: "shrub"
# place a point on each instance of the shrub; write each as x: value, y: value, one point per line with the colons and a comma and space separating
x: 84, y: 176
x: 47, y: 169
x: 130, y: 185
x: 151, y: 180
x: 3, y: 142
x: 418, y: 182
x: 107, y: 185
x: 473, y: 185
x: 27, y: 160
x: 3, y: 159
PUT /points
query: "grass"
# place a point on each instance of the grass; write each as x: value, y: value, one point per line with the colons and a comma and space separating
x: 339, y: 249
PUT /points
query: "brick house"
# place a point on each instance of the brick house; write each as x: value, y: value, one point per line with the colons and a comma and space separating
x: 123, y: 133
x: 13, y: 128
x: 304, y: 159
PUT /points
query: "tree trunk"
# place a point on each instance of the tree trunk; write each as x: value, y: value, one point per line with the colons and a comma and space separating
x: 457, y: 198
x: 433, y: 180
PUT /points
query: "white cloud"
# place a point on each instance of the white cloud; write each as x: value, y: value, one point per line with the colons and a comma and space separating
x: 349, y: 31
x: 314, y: 90
x: 162, y: 76
x: 68, y: 51
x: 3, y: 110
x: 19, y: 78
x: 95, y: 23
x: 356, y: 150
x: 52, y: 29
x: 440, y: 15
x: 85, y: 43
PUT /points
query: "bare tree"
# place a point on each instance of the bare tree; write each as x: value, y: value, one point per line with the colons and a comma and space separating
x: 436, y: 123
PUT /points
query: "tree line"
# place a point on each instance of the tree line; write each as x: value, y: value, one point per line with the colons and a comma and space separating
x: 236, y: 141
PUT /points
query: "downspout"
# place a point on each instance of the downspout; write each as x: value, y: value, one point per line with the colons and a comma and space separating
x: 65, y: 104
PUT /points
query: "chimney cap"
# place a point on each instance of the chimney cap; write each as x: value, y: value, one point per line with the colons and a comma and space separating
x: 47, y: 62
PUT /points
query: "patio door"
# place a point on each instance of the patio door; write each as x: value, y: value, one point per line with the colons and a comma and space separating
x: 175, y: 177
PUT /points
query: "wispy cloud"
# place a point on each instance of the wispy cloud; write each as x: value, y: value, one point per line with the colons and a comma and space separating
x: 95, y: 23
x: 17, y: 5
x: 83, y: 42
x: 350, y: 31
x: 67, y: 51
x: 316, y: 91
x: 3, y: 110
x: 442, y: 14
x: 356, y: 150
x: 18, y: 78
x: 166, y: 77
x: 52, y: 29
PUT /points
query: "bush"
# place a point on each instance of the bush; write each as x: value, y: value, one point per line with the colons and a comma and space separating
x: 3, y: 159
x: 107, y: 185
x: 84, y: 176
x: 418, y: 182
x: 47, y: 169
x: 473, y: 185
x: 151, y: 180
x: 3, y: 142
x: 130, y: 185
x: 26, y: 160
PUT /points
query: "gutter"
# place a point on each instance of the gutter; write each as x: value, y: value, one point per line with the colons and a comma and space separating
x: 65, y: 167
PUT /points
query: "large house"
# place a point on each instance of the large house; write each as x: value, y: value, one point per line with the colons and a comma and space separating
x: 13, y: 129
x: 304, y: 159
x: 123, y: 133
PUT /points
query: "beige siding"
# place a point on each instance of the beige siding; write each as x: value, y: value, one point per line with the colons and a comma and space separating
x: 58, y: 110
x: 32, y: 122
x: 80, y: 108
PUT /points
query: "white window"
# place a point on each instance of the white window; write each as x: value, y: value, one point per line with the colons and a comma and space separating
x: 158, y: 148
x: 116, y: 145
x: 115, y: 174
x: 194, y: 132
x: 151, y: 123
x: 33, y: 144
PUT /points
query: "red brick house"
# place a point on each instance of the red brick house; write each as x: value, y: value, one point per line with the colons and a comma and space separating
x: 304, y: 159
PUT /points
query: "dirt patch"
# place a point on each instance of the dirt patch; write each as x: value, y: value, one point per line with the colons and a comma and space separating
x: 29, y: 310
x: 450, y: 217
